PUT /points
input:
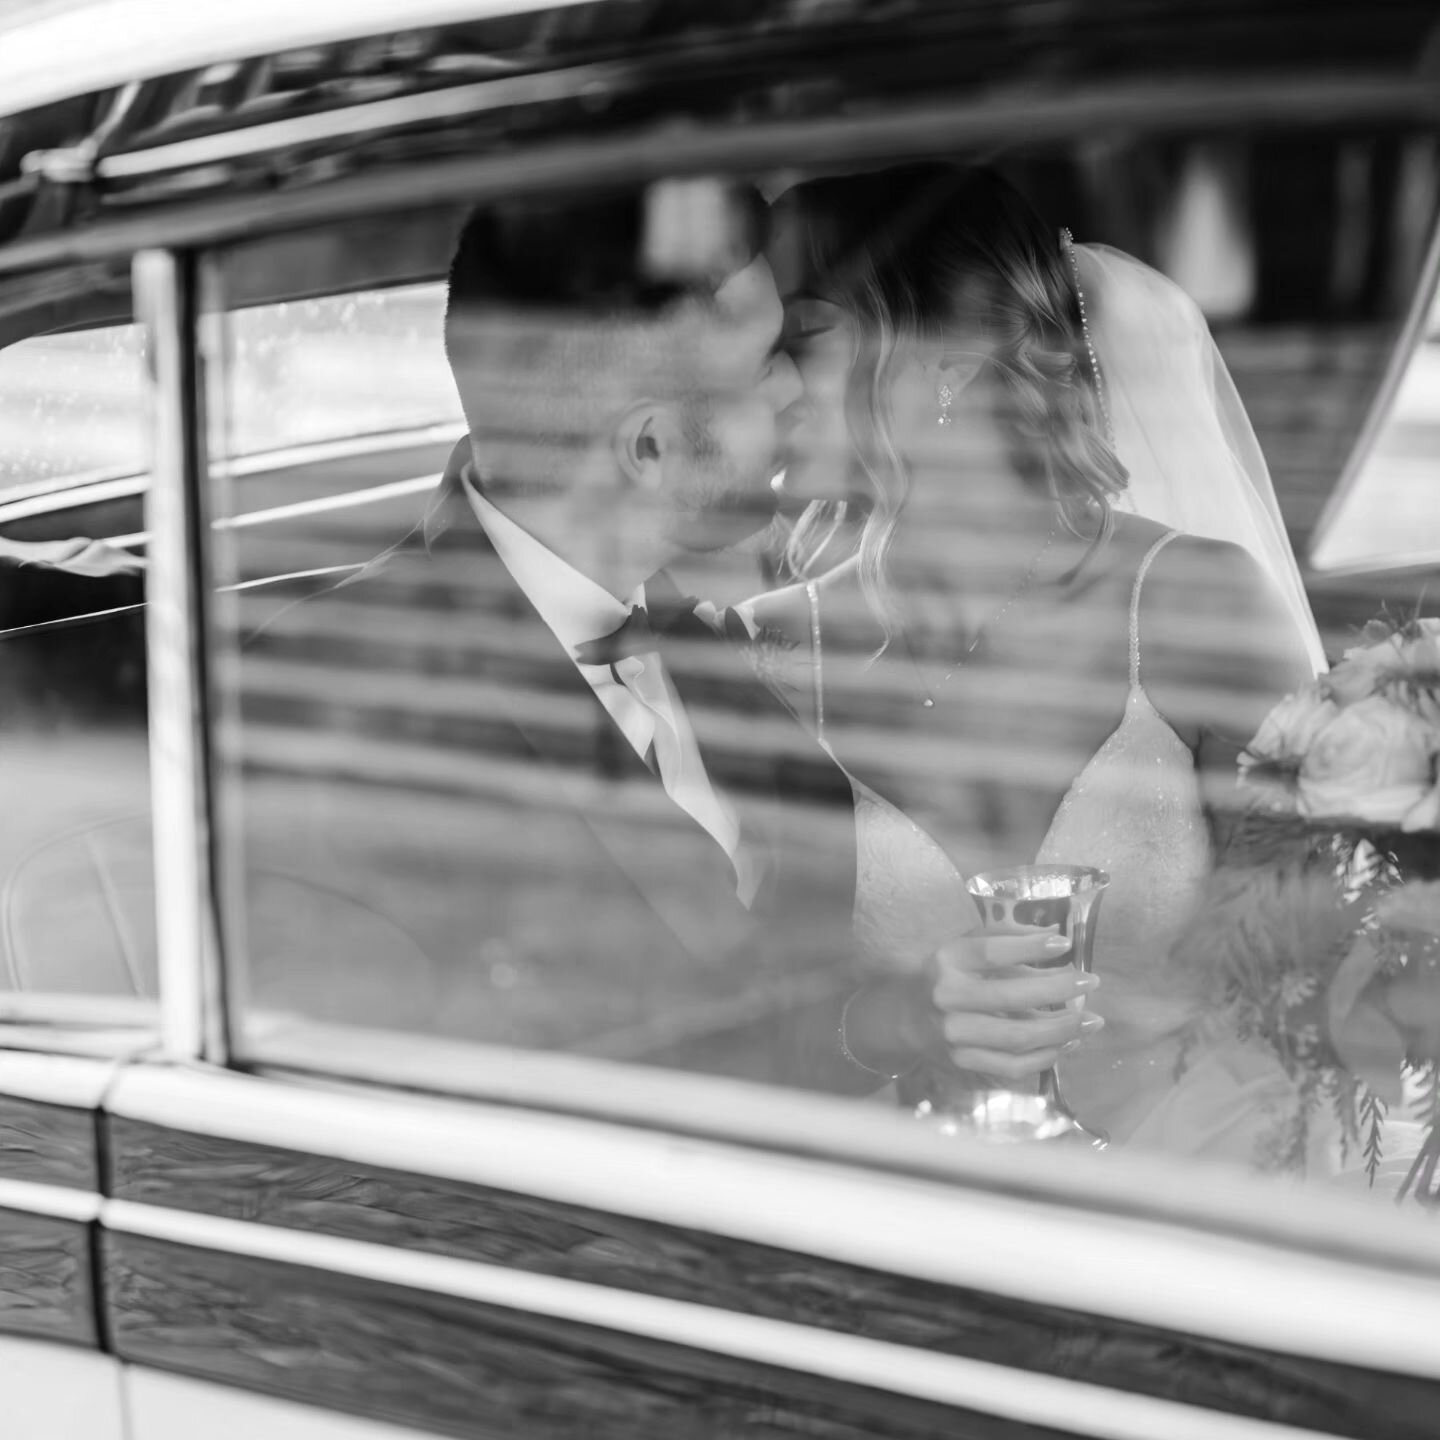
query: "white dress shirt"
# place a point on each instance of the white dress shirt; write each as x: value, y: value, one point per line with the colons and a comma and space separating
x: 643, y: 703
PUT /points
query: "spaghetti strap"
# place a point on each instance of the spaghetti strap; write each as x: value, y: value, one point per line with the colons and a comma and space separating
x: 817, y: 680
x: 1140, y: 575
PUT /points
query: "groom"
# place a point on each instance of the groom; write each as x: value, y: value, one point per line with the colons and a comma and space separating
x: 619, y: 366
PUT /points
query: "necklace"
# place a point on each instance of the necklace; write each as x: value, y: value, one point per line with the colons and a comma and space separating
x: 1021, y: 586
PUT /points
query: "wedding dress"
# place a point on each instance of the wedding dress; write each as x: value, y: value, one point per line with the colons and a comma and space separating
x: 1160, y: 1074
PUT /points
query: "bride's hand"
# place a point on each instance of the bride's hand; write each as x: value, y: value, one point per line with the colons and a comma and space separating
x: 998, y: 1002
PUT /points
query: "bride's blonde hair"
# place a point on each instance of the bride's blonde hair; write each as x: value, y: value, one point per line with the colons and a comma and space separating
x: 923, y: 252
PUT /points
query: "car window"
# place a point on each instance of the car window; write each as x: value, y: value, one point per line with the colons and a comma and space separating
x: 77, y: 941
x: 301, y: 371
x: 809, y: 671
x: 71, y: 404
x: 1386, y: 514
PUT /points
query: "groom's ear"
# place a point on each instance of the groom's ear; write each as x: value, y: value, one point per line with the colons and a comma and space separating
x: 642, y: 442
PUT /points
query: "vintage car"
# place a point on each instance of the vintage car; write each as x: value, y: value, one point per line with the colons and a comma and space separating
x: 339, y: 1093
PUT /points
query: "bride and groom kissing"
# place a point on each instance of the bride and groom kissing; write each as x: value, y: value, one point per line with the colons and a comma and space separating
x: 1040, y: 529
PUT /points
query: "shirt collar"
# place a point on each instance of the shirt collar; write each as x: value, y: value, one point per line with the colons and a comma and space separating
x: 572, y: 605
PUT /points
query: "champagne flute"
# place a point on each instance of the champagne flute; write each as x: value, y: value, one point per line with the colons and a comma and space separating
x: 1022, y: 900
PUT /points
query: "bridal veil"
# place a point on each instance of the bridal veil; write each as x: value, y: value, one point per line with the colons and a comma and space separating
x: 1178, y: 423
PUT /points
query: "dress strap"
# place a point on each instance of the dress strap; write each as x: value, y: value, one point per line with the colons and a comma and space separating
x: 1140, y: 575
x: 817, y: 679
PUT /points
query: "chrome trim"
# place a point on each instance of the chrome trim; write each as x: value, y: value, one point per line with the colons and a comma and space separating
x: 1144, y: 103
x: 56, y: 1079
x: 932, y: 128
x: 8, y: 1003
x: 75, y: 164
x: 1071, y: 1407
x: 44, y: 497
x: 321, y: 572
x: 75, y: 1040
x: 56, y: 1201
x: 187, y: 936
x: 1411, y: 336
x: 114, y: 41
x: 64, y: 623
x: 374, y: 116
x: 70, y: 497
x: 346, y: 500
x: 319, y: 504
x: 323, y: 452
x: 1266, y: 1267
x: 109, y: 1012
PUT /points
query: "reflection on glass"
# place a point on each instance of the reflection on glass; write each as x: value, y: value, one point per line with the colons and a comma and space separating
x: 77, y: 900
x: 334, y: 367
x: 78, y: 916
x: 72, y: 403
x: 1386, y: 515
x: 446, y: 830
x: 788, y: 573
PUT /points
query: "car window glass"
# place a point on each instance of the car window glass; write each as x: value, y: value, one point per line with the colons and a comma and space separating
x: 692, y: 708
x: 333, y: 367
x: 71, y: 404
x: 1387, y: 515
x: 77, y: 933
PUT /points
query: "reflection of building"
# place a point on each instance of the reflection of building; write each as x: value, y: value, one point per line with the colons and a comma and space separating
x: 1387, y: 508
x: 1205, y: 239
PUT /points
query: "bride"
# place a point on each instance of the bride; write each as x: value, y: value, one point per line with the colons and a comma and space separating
x: 1067, y: 602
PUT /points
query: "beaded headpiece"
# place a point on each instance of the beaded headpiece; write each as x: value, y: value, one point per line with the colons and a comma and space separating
x: 1067, y: 243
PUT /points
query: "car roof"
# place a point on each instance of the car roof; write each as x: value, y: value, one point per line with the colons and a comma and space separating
x: 53, y: 49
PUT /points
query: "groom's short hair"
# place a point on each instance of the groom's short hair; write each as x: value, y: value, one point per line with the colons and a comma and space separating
x: 562, y: 311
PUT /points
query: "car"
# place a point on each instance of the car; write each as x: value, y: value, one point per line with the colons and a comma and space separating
x: 327, y: 1109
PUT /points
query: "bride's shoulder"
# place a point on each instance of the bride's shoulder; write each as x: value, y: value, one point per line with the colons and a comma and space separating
x: 1214, y: 630
x: 1211, y: 577
x: 1216, y: 575
x: 1134, y: 536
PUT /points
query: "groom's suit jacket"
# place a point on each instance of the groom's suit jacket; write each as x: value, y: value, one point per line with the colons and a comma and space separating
x: 524, y: 864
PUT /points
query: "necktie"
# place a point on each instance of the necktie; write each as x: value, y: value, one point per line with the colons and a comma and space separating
x: 674, y: 754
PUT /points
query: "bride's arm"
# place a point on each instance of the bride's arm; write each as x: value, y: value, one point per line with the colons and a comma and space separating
x: 1215, y: 683
x: 1218, y: 651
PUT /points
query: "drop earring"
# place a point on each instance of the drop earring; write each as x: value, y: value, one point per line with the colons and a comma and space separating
x: 944, y: 398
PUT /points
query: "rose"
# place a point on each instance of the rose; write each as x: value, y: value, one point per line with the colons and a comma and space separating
x: 1373, y: 761
x: 1272, y: 760
x: 1290, y: 728
x: 1413, y: 675
x: 1357, y: 676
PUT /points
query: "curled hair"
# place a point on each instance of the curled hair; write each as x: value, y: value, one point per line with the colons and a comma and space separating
x: 923, y: 252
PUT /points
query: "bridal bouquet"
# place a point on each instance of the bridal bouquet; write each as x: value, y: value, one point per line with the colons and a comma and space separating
x: 1334, y: 955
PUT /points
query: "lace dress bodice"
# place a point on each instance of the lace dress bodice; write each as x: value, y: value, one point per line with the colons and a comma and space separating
x: 1134, y: 811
